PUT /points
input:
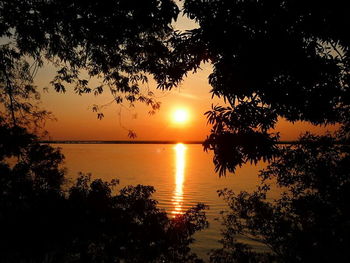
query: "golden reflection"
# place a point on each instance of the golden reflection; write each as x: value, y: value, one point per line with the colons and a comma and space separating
x: 179, y: 177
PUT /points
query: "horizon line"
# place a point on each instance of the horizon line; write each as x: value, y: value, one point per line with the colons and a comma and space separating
x: 134, y: 142
x: 120, y: 141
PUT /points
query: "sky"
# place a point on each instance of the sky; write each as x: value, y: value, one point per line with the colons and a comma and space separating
x: 76, y: 121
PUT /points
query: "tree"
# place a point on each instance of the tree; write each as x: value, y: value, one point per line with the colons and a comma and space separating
x: 19, y: 97
x: 119, y: 43
x: 271, y: 59
x: 309, y: 222
x: 44, y: 218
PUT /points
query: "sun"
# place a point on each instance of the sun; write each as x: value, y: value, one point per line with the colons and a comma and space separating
x: 180, y: 116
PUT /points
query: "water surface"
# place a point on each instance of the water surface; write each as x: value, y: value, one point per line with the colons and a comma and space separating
x: 183, y: 175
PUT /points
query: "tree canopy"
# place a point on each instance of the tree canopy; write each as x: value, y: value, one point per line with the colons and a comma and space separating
x: 271, y: 60
x: 119, y: 43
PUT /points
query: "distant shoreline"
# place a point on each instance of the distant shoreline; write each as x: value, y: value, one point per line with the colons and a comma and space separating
x: 116, y: 142
x: 131, y: 142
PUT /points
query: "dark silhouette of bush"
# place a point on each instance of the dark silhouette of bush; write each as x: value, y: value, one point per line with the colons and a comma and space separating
x: 309, y: 222
x: 45, y: 219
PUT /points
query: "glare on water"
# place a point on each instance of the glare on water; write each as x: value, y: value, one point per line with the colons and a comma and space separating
x: 180, y: 151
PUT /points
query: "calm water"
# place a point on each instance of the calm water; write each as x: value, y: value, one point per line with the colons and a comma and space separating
x: 183, y: 175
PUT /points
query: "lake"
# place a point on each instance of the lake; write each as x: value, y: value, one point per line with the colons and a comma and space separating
x: 182, y: 175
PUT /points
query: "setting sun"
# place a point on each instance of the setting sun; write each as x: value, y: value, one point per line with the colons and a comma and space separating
x: 180, y: 116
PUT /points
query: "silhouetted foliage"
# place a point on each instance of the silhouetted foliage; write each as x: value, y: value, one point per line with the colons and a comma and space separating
x: 19, y: 98
x: 310, y: 220
x: 246, y: 144
x: 270, y: 59
x: 119, y: 43
x: 43, y: 218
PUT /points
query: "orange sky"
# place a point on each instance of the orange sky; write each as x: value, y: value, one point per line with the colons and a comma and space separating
x: 75, y: 121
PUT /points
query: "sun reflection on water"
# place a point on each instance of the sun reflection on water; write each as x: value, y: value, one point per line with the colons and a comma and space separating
x: 180, y: 150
